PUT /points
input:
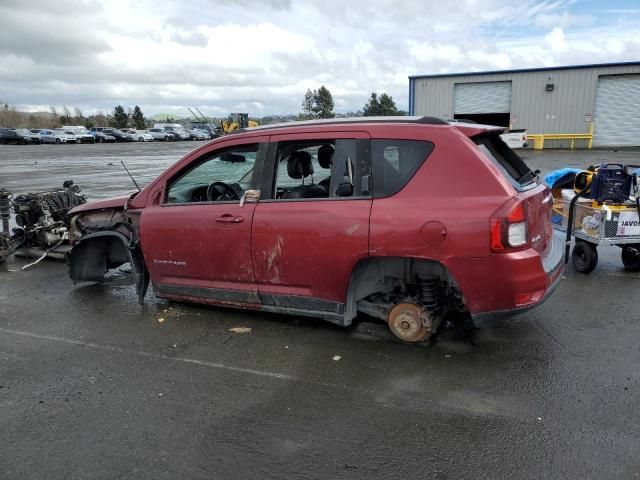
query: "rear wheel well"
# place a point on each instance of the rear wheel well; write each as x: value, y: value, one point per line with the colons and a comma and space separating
x: 386, y: 280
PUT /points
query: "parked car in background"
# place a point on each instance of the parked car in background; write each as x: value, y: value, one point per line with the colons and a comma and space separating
x: 197, y: 134
x: 119, y: 135
x: 28, y: 135
x: 52, y: 136
x: 515, y: 138
x: 81, y: 132
x: 131, y: 132
x: 142, y: 136
x: 102, y: 137
x: 8, y: 136
x: 175, y: 128
x: 161, y: 134
x: 386, y: 227
x: 69, y: 135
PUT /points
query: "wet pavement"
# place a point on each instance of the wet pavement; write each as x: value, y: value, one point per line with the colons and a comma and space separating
x: 93, y: 385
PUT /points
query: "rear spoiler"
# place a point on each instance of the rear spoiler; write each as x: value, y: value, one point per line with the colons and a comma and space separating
x: 475, y: 130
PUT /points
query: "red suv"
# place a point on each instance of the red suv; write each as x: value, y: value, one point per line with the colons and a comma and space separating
x: 405, y: 219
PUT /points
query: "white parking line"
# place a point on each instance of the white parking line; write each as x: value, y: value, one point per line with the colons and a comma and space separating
x: 204, y: 363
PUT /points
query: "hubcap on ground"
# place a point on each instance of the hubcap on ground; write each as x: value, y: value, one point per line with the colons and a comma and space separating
x: 405, y: 321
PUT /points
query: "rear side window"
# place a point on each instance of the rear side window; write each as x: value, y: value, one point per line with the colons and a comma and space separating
x: 395, y: 162
x: 513, y: 167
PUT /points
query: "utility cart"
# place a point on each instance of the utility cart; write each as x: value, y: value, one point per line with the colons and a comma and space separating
x: 599, y: 225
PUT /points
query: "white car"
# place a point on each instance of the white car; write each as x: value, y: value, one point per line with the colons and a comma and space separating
x: 515, y: 138
x: 69, y: 136
x: 142, y: 136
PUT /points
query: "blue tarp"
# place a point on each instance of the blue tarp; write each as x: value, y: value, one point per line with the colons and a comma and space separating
x: 561, y: 178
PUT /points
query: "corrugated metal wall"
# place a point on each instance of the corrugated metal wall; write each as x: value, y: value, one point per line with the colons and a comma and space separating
x: 532, y: 107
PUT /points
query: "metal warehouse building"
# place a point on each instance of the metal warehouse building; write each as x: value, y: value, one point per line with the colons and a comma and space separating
x: 558, y: 100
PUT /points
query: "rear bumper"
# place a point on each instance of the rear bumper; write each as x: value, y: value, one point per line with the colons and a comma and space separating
x: 552, y: 269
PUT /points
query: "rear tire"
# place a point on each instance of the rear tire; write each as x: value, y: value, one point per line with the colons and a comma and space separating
x: 631, y: 258
x: 58, y: 141
x: 584, y: 256
x: 140, y: 139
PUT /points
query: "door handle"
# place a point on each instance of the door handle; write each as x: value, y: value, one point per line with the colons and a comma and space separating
x: 227, y: 218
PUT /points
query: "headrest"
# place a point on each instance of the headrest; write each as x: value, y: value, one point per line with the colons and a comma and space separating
x: 299, y: 164
x: 325, y: 156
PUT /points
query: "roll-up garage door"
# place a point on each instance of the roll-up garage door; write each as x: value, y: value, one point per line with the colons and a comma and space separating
x: 483, y: 97
x: 617, y: 113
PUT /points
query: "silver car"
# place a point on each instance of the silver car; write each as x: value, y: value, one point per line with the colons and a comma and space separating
x: 160, y: 134
x: 52, y: 136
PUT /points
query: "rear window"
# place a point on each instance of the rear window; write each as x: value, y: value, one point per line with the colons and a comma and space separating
x: 512, y: 166
x: 395, y: 162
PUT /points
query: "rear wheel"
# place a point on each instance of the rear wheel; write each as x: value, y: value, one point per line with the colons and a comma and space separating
x: 631, y: 257
x: 141, y: 139
x: 58, y: 140
x: 584, y: 256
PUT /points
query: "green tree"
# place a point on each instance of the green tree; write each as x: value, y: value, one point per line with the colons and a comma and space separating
x: 138, y: 118
x: 318, y: 104
x: 383, y: 106
x: 308, y: 104
x: 120, y: 118
x: 324, y: 103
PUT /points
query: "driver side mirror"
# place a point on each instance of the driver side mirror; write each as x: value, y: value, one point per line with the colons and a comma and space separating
x: 344, y: 190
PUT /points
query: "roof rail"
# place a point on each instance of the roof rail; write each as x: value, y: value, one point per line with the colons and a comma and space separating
x: 348, y: 120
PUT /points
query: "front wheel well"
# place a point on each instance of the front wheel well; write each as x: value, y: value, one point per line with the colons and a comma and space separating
x: 388, y: 279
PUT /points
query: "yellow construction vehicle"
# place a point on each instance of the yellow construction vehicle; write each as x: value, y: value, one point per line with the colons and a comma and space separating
x: 235, y: 122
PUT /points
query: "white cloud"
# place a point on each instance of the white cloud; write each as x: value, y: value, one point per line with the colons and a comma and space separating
x: 261, y: 56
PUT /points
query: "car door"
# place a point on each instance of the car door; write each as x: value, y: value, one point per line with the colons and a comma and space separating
x: 304, y: 249
x: 198, y: 246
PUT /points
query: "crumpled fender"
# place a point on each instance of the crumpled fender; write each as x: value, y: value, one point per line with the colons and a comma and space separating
x: 88, y: 260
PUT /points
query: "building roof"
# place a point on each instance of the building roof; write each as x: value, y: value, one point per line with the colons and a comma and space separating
x: 525, y: 70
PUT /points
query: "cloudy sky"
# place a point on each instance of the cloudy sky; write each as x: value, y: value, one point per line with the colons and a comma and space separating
x: 261, y: 56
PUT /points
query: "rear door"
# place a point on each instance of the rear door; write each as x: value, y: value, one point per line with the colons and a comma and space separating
x: 199, y: 246
x: 306, y: 242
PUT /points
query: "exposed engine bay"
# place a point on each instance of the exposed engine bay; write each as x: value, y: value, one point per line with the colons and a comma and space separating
x: 41, y: 220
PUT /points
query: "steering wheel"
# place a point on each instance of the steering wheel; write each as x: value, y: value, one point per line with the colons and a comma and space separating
x: 227, y: 192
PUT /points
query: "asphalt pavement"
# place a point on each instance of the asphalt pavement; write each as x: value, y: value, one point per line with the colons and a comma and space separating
x: 95, y: 386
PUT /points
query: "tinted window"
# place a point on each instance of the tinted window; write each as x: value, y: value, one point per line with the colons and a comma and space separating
x: 512, y: 166
x: 395, y: 162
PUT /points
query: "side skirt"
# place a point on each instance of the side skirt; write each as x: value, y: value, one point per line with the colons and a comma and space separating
x: 250, y: 300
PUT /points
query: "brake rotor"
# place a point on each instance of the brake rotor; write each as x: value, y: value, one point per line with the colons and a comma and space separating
x: 406, y: 323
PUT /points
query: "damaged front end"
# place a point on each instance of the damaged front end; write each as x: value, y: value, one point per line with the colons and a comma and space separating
x: 104, y: 238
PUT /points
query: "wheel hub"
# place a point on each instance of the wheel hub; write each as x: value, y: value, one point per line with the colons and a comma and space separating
x: 406, y: 321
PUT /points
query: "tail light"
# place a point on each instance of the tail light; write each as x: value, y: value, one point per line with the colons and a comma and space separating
x: 509, y: 228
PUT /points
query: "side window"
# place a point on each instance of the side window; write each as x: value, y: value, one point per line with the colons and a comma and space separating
x: 217, y: 177
x: 395, y: 162
x: 318, y: 169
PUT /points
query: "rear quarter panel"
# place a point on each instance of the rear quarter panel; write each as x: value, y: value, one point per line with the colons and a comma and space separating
x: 455, y: 186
